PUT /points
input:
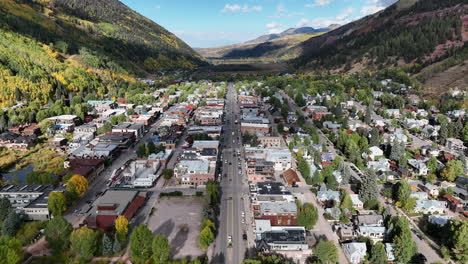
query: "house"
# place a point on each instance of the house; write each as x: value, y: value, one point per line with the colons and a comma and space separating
x: 99, y: 151
x: 454, y: 203
x: 355, y: 252
x: 382, y: 164
x: 395, y: 113
x: 113, y: 204
x: 419, y: 167
x: 292, y: 117
x: 254, y: 128
x: 17, y: 142
x: 328, y: 197
x: 430, y: 207
x: 389, y: 249
x: 369, y: 220
x: 455, y: 144
x: 357, y: 203
x: 137, y: 128
x: 375, y: 233
x: 290, y: 177
x: 345, y: 233
x: 102, y: 105
x: 355, y: 124
x: 419, y: 195
x: 375, y: 152
x: 327, y: 158
x: 410, y: 123
x: 331, y: 125
x: 431, y: 189
x: 30, y: 199
x: 279, y: 213
x: 439, y: 220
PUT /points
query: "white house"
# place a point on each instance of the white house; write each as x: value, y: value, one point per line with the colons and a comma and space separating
x: 419, y: 166
x: 419, y: 195
x: 382, y: 164
x: 430, y: 207
x: 357, y: 203
x: 375, y: 233
x: 431, y: 189
x: 355, y: 251
x: 375, y: 152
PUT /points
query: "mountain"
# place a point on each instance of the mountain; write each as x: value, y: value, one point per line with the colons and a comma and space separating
x: 427, y: 37
x: 280, y: 46
x: 51, y: 49
x: 292, y: 31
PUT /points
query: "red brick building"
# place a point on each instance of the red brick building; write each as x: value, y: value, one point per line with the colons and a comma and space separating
x: 279, y: 213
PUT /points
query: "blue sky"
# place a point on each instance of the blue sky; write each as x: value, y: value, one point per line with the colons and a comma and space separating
x: 210, y: 23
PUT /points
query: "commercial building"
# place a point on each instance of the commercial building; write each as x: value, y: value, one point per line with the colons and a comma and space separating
x: 195, y: 172
x: 279, y: 213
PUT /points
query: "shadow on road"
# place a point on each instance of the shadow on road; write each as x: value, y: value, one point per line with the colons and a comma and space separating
x: 179, y: 240
x: 218, y: 259
x: 165, y: 228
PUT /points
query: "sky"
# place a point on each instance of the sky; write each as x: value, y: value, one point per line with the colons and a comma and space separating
x: 211, y: 23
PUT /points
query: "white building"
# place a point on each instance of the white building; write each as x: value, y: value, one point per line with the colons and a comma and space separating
x: 355, y: 252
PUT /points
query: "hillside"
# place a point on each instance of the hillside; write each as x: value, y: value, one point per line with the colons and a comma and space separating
x: 292, y: 31
x: 408, y: 33
x: 56, y: 49
x: 278, y: 49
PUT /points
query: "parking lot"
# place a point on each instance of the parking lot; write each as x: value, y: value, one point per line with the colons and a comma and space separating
x: 179, y: 219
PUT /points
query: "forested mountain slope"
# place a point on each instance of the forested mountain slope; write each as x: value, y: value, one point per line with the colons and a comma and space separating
x: 57, y: 49
x: 409, y: 33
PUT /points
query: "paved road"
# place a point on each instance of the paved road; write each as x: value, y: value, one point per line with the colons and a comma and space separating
x: 234, y: 189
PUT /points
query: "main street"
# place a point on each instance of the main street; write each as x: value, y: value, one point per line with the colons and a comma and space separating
x: 229, y: 245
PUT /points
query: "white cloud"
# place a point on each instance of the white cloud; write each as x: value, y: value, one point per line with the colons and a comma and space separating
x: 320, y: 3
x: 275, y: 28
x: 342, y: 18
x: 235, y: 8
x: 203, y: 39
x: 368, y: 10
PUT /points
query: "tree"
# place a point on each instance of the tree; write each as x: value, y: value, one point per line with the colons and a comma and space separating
x: 57, y: 234
x: 150, y: 148
x: 369, y: 189
x: 326, y: 252
x: 77, y: 185
x: 443, y: 133
x: 317, y: 178
x: 303, y: 167
x: 378, y: 254
x: 368, y: 116
x: 106, y: 245
x: 307, y: 215
x: 116, y: 247
x: 140, y: 244
x: 121, y: 227
x: 167, y: 173
x: 11, y: 251
x: 432, y: 164
x: 57, y: 203
x: 206, y: 237
x: 404, y: 246
x: 346, y: 202
x: 453, y: 169
x: 11, y: 224
x: 161, y: 250
x: 45, y: 125
x: 374, y: 138
x: 5, y: 208
x: 141, y: 151
x: 403, y: 191
x: 83, y: 243
x: 459, y: 230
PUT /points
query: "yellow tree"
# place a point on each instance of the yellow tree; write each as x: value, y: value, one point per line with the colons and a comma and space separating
x: 77, y: 184
x: 121, y: 227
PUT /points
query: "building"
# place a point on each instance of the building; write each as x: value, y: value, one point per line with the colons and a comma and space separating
x: 137, y: 128
x: 281, y: 157
x: 430, y: 207
x: 199, y: 145
x: 195, y: 172
x: 123, y: 139
x: 431, y: 189
x: 99, y: 151
x: 283, y: 239
x: 102, y: 105
x: 419, y: 195
x: 389, y: 249
x: 265, y: 192
x: 357, y: 203
x: 254, y: 128
x: 369, y: 220
x: 375, y: 233
x: 279, y: 213
x: 355, y: 252
x: 17, y: 142
x: 30, y: 199
x: 270, y: 142
x: 454, y: 204
x: 328, y: 197
x: 290, y: 177
x: 439, y: 220
x: 259, y: 170
x: 111, y: 205
x: 455, y: 144
x: 95, y: 166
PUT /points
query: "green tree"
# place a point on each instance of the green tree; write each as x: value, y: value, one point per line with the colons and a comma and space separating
x: 326, y: 252
x: 378, y: 254
x: 206, y: 237
x: 443, y: 133
x: 11, y: 251
x: 141, y: 151
x: 404, y: 246
x: 106, y: 245
x: 307, y: 215
x: 346, y: 202
x: 459, y: 230
x: 432, y: 164
x: 116, y: 247
x: 150, y: 148
x: 317, y: 179
x: 167, y: 173
x: 83, y: 243
x: 5, y: 208
x: 11, y: 224
x: 303, y: 167
x: 57, y: 234
x: 369, y: 189
x: 453, y: 169
x: 57, y: 203
x: 403, y: 191
x: 140, y: 244
x: 161, y: 250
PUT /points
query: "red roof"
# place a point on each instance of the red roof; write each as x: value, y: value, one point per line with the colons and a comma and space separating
x: 85, y: 162
x: 134, y: 206
x: 451, y: 199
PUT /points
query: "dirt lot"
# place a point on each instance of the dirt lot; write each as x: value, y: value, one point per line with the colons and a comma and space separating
x: 179, y: 218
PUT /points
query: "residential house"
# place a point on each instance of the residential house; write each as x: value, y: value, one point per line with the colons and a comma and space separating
x: 369, y: 220
x: 328, y: 197
x: 355, y: 252
x: 419, y: 166
x: 357, y: 203
x: 455, y: 144
x: 430, y: 207
x: 439, y: 220
x: 17, y: 142
x: 395, y: 113
x: 382, y: 165
x: 375, y: 233
x: 375, y: 152
x: 419, y: 195
x: 431, y: 189
x: 455, y: 204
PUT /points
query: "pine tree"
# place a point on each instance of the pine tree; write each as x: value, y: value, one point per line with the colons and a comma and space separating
x: 378, y: 254
x: 11, y: 224
x: 374, y: 137
x: 369, y: 189
x: 116, y: 247
x: 106, y: 245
